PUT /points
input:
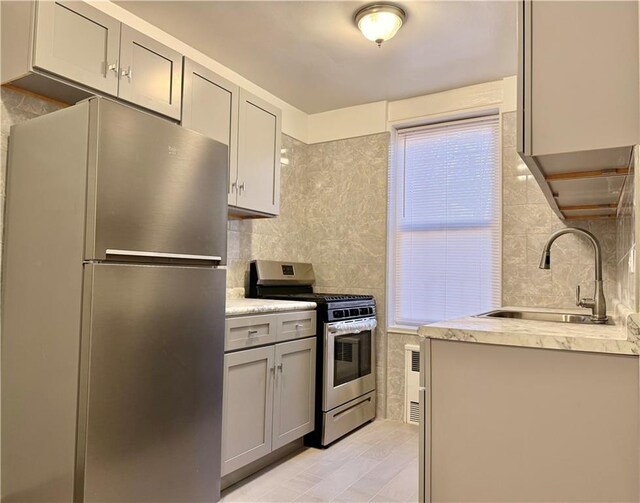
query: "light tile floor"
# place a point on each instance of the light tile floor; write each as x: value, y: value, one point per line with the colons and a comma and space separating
x: 378, y: 462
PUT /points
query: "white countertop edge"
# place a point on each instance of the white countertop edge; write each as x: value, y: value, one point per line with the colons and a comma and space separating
x: 615, y: 339
x: 240, y: 307
x: 404, y: 330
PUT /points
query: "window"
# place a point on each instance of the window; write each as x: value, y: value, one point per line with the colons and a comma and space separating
x: 445, y: 238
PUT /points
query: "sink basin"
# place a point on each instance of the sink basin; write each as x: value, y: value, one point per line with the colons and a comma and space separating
x: 584, y: 319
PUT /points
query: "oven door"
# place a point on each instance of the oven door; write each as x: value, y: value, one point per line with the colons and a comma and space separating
x: 349, y: 361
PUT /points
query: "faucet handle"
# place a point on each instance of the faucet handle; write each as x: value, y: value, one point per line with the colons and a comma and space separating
x: 588, y: 303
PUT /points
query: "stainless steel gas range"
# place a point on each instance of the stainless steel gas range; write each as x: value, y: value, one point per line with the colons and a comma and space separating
x: 345, y: 381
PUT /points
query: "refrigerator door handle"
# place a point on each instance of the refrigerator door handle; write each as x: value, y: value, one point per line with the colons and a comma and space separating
x: 157, y: 256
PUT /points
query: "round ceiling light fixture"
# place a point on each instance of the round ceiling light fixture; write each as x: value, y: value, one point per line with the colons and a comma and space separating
x: 379, y: 21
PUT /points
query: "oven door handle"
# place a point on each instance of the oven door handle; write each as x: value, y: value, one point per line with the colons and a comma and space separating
x: 352, y: 327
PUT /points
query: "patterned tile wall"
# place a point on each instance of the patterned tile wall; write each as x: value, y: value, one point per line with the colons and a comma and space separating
x: 626, y: 281
x: 282, y: 238
x: 527, y: 223
x: 347, y: 219
x: 332, y: 214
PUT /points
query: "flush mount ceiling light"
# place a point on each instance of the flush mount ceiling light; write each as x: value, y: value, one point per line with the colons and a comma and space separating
x: 379, y: 22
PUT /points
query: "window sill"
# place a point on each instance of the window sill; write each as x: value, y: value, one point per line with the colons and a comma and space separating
x: 404, y: 330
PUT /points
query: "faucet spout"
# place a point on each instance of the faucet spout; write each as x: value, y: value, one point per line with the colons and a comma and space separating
x: 598, y: 304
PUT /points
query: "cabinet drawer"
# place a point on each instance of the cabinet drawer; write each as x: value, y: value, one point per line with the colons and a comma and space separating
x: 296, y: 325
x: 248, y: 331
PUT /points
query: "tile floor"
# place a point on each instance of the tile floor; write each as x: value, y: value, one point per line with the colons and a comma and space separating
x: 378, y: 463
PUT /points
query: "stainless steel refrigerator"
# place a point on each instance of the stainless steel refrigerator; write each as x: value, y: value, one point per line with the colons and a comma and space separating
x: 113, y: 309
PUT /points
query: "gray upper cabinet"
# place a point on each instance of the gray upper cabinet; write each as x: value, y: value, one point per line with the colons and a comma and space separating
x: 69, y: 51
x: 578, y: 101
x: 579, y: 79
x: 78, y: 42
x: 251, y: 128
x: 258, y: 179
x: 295, y: 391
x: 210, y: 107
x: 150, y: 73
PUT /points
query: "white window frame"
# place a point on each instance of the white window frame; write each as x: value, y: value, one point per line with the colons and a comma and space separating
x: 430, y: 120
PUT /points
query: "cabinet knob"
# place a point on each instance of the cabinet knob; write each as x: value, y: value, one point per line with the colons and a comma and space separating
x: 234, y: 187
x: 113, y: 67
x: 279, y: 366
x: 127, y: 73
x: 252, y: 332
x: 241, y: 188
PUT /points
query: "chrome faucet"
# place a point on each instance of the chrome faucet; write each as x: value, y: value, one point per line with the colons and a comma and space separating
x: 597, y: 304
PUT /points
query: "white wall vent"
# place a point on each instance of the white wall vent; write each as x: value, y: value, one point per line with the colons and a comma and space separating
x: 411, y: 384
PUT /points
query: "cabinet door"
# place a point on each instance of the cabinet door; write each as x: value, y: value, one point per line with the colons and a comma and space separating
x: 77, y: 42
x: 584, y: 88
x: 247, y: 407
x: 506, y: 421
x: 210, y: 107
x: 258, y: 155
x: 150, y: 73
x: 294, y: 404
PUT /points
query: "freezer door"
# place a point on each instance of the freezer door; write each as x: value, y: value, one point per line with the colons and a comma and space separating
x: 151, y: 384
x: 154, y: 186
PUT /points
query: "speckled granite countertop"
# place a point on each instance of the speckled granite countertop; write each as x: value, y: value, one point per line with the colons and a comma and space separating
x: 622, y: 338
x: 239, y: 307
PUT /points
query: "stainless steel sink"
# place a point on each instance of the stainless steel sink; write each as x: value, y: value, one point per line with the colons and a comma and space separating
x: 542, y: 316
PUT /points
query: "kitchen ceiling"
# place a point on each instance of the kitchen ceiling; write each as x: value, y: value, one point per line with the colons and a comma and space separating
x: 311, y: 55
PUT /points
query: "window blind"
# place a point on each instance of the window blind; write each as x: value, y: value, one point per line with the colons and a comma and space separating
x: 445, y: 221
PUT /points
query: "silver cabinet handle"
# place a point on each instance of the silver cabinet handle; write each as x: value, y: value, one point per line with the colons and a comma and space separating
x: 241, y: 188
x: 252, y: 332
x: 279, y: 366
x: 234, y: 186
x: 113, y: 67
x: 127, y: 73
x: 298, y: 325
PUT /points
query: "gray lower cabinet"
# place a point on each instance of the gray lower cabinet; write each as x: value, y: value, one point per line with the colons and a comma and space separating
x: 514, y: 424
x: 268, y: 400
x: 210, y: 107
x: 75, y: 50
x: 247, y: 406
x: 294, y: 399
